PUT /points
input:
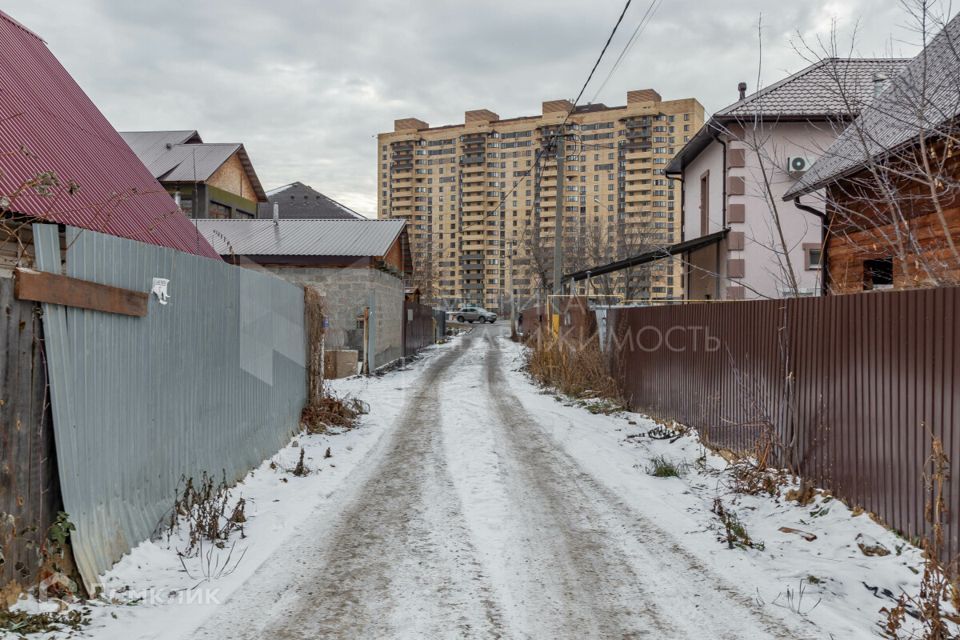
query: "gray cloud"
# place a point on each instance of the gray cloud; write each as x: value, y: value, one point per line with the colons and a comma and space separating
x: 307, y: 86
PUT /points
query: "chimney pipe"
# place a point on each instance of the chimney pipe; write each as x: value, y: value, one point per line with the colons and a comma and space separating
x: 742, y: 88
x: 879, y: 83
x: 276, y: 213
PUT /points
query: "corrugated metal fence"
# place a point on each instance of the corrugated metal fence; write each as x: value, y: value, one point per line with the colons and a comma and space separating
x: 851, y: 387
x: 439, y: 324
x: 418, y: 327
x: 128, y: 422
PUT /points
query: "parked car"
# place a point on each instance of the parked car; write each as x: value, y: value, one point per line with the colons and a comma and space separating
x: 474, y: 314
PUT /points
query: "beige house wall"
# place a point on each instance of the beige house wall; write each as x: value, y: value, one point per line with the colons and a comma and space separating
x: 232, y: 177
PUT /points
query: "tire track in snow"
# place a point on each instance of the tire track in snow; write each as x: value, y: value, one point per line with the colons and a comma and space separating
x: 398, y: 562
x: 631, y: 572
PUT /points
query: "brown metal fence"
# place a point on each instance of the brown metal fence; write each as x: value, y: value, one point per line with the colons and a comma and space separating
x: 852, y: 388
x: 418, y: 327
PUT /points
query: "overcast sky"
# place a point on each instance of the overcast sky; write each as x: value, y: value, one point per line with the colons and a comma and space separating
x: 306, y: 86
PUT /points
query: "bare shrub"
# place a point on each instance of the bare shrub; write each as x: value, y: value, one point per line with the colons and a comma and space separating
x: 939, y: 585
x: 575, y: 368
x: 755, y: 474
x: 735, y: 533
x: 301, y: 469
x: 204, y: 507
x: 332, y: 411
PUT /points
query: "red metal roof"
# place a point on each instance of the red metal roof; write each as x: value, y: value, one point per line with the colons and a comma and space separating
x: 47, y: 123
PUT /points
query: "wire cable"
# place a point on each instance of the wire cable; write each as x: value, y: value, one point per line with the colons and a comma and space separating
x: 641, y: 27
x: 557, y: 134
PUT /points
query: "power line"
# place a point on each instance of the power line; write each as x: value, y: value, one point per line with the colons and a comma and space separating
x: 542, y: 150
x: 641, y: 27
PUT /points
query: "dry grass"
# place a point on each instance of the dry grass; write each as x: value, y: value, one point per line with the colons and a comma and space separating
x: 662, y: 467
x: 332, y: 411
x: 575, y: 369
x: 936, y: 605
x: 734, y: 532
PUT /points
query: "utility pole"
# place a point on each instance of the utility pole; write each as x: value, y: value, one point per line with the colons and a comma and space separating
x: 513, y: 294
x: 558, y: 222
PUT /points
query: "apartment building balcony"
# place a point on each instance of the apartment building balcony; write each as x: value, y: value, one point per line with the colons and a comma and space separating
x: 472, y: 187
x: 473, y: 218
x: 639, y: 154
x: 472, y: 170
x: 472, y: 207
x: 472, y: 159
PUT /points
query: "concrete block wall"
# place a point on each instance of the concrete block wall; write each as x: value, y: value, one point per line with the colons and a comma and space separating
x: 346, y: 293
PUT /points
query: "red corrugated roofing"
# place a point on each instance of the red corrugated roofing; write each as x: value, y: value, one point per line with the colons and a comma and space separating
x: 47, y: 123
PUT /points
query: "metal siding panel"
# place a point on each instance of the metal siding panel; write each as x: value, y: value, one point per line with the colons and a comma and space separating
x: 128, y: 422
x: 869, y: 371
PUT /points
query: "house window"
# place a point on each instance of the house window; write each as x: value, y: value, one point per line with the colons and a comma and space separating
x: 705, y: 203
x: 812, y: 256
x: 878, y: 274
x: 218, y: 211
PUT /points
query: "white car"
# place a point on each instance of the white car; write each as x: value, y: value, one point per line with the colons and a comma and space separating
x: 474, y: 314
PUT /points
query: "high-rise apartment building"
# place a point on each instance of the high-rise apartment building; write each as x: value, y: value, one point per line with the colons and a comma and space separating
x: 481, y: 198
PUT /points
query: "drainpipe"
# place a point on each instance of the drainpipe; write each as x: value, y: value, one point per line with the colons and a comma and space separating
x: 723, y: 175
x: 723, y: 202
x: 824, y: 232
x: 684, y: 273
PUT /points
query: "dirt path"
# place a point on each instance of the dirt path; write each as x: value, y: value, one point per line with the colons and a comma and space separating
x: 468, y: 522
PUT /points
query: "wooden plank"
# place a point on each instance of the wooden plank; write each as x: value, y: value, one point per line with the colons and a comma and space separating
x: 40, y: 286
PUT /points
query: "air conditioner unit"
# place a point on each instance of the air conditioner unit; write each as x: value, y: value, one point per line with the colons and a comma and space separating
x: 798, y: 165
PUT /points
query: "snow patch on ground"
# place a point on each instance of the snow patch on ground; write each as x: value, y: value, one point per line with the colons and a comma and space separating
x: 828, y: 581
x: 150, y: 593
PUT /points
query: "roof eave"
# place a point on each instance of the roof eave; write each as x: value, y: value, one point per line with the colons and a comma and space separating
x: 692, y: 149
x: 248, y: 167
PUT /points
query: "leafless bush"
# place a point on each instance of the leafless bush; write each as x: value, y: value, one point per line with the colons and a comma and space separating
x: 333, y: 411
x: 204, y: 508
x: 939, y: 585
x: 575, y: 368
x: 735, y: 532
x: 213, y: 563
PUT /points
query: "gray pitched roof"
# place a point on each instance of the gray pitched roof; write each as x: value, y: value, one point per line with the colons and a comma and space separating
x: 301, y: 237
x: 151, y: 146
x: 924, y: 95
x: 181, y: 156
x: 830, y: 87
x: 300, y: 201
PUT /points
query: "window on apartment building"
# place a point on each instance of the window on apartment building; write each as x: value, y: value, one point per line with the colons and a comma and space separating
x: 705, y: 203
x: 878, y: 274
x: 812, y: 256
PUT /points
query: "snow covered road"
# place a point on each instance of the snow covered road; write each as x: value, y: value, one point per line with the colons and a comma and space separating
x: 468, y: 520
